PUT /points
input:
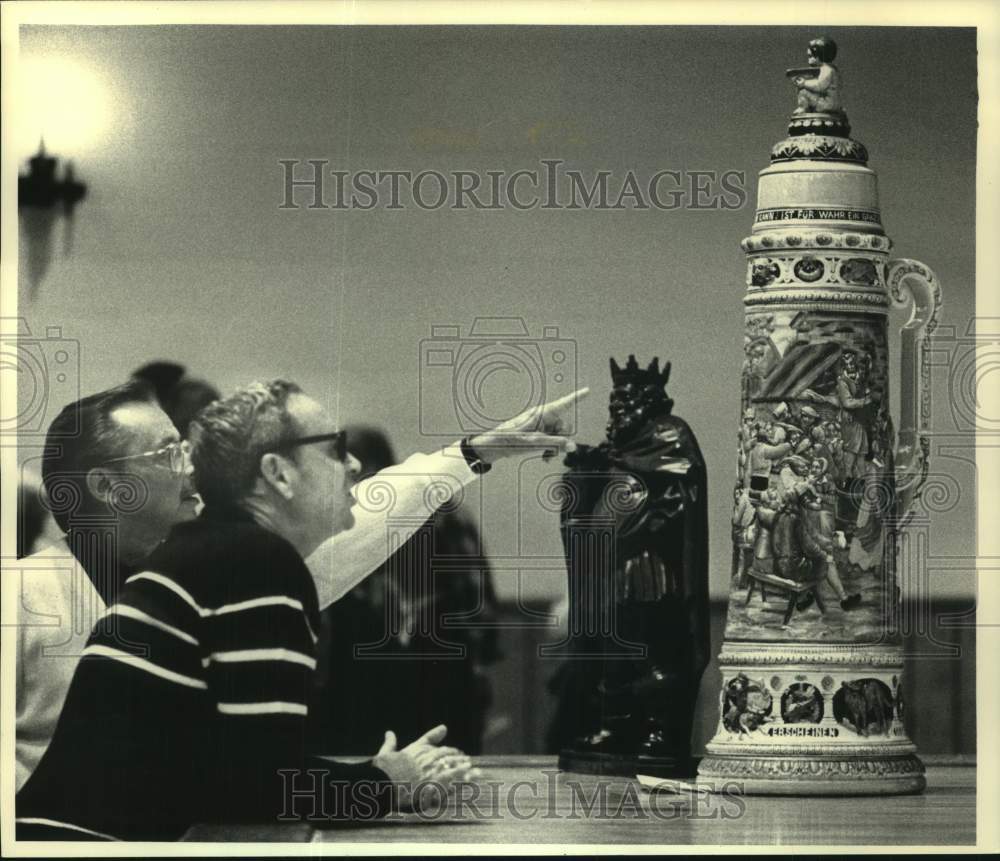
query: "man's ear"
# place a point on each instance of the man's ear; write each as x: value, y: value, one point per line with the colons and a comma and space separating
x: 276, y: 472
x: 99, y: 483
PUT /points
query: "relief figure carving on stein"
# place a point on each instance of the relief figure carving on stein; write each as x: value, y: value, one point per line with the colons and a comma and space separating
x: 864, y: 705
x: 802, y: 703
x: 746, y: 704
x: 812, y: 488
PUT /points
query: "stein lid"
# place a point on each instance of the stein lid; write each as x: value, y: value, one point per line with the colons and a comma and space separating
x: 819, y: 175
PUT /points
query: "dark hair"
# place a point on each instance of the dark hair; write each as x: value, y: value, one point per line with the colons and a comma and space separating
x: 162, y: 376
x: 81, y: 437
x: 180, y: 396
x: 229, y: 436
x: 823, y: 49
x: 187, y: 399
x: 371, y: 446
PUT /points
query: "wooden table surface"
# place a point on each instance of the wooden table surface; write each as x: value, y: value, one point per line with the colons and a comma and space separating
x: 526, y: 800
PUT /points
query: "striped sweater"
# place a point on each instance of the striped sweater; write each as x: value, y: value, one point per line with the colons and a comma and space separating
x: 191, y: 697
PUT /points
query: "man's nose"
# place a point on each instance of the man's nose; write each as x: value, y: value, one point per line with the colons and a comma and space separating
x: 188, y: 464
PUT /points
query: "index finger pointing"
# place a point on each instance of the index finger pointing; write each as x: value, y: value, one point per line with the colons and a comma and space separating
x: 567, y: 400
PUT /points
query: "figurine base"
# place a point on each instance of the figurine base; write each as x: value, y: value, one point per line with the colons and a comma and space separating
x: 814, y: 775
x: 626, y: 765
x: 820, y: 123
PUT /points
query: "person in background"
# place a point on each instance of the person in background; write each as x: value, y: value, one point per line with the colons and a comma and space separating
x: 34, y: 523
x: 116, y: 478
x: 396, y: 616
x: 181, y: 397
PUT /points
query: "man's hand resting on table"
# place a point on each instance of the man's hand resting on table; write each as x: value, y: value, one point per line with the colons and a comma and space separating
x: 424, y: 761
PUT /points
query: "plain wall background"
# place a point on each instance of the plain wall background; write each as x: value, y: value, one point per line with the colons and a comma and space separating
x: 180, y: 250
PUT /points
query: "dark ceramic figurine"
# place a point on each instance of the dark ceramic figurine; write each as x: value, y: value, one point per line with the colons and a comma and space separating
x: 634, y: 528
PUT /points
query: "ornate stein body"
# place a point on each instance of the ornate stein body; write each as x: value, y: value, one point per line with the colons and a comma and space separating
x: 812, y: 697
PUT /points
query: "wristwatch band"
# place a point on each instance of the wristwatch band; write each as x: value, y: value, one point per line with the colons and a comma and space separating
x: 475, y: 462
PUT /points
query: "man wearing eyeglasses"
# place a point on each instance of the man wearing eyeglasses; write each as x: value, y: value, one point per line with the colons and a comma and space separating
x: 117, y: 479
x: 196, y: 710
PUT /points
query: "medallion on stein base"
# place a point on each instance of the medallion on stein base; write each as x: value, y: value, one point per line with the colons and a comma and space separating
x: 799, y: 720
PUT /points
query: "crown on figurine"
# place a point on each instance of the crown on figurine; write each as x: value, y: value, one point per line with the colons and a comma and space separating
x: 632, y: 373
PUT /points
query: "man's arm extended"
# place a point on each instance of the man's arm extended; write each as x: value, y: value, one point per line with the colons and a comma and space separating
x: 412, y: 491
x: 408, y: 494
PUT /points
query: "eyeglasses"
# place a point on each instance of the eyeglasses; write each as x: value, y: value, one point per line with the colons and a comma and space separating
x: 338, y: 440
x: 177, y: 454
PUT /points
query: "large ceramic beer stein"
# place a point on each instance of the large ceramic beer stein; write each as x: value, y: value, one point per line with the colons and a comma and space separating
x: 812, y: 683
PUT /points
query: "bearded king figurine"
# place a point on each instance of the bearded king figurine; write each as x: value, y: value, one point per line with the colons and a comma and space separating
x: 635, y: 532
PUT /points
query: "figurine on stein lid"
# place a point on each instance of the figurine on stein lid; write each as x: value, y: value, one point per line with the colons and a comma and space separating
x: 812, y: 663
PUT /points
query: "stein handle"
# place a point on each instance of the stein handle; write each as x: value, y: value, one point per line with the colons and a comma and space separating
x: 912, y: 283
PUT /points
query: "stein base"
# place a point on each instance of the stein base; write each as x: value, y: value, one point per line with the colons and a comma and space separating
x: 626, y: 765
x: 813, y: 775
